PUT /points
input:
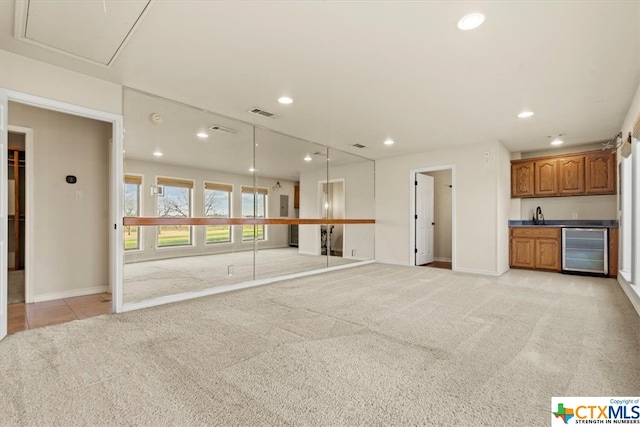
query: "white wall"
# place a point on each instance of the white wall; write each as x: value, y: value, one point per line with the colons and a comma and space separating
x: 476, y: 195
x: 586, y: 207
x: 71, y: 235
x: 27, y: 75
x: 359, y: 204
x: 277, y: 235
x: 442, y: 213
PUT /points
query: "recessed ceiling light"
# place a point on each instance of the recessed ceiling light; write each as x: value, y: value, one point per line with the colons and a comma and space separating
x: 389, y: 141
x: 525, y: 114
x: 557, y: 141
x: 203, y: 135
x: 471, y: 21
x: 157, y: 153
x: 285, y: 100
x: 307, y: 158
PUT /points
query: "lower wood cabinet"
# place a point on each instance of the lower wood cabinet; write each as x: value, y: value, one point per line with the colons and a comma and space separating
x: 535, y: 247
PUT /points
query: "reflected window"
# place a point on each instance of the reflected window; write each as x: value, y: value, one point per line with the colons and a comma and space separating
x: 174, y: 201
x: 254, y: 205
x: 217, y: 204
x: 131, y: 207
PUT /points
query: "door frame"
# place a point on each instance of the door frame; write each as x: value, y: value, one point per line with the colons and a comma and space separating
x: 418, y: 189
x: 412, y: 210
x: 116, y: 251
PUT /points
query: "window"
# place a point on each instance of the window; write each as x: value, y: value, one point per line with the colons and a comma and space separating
x: 217, y: 204
x: 131, y: 207
x: 254, y: 210
x: 174, y: 202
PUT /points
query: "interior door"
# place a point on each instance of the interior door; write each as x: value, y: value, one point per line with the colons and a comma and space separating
x: 424, y: 219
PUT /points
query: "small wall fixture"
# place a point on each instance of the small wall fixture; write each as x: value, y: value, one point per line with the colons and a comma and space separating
x: 277, y: 187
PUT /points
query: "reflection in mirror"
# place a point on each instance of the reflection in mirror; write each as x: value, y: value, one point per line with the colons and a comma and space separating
x: 349, y: 194
x: 282, y: 159
x: 199, y: 187
x: 171, y: 172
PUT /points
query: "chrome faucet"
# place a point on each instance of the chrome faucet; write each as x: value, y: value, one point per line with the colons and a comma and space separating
x: 538, y: 217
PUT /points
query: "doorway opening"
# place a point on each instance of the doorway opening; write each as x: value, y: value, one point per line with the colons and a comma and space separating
x: 432, y: 234
x: 77, y: 195
x: 16, y: 216
x: 332, y: 207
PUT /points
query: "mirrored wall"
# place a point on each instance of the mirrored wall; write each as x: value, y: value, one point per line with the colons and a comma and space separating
x: 211, y: 202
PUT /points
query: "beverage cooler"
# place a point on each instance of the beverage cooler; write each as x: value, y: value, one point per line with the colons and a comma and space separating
x: 585, y: 250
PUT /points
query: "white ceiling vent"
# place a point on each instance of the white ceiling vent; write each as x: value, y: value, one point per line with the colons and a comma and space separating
x: 93, y: 31
x: 222, y: 129
x: 358, y: 146
x: 261, y: 112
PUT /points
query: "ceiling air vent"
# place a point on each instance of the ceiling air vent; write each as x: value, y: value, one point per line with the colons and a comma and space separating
x: 260, y: 112
x: 222, y: 129
x: 358, y: 145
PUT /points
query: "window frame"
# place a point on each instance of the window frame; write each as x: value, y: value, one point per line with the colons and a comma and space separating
x: 255, y: 191
x: 162, y: 182
x: 137, y: 180
x: 220, y: 187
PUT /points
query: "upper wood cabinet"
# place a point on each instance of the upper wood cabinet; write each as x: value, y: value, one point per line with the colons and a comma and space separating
x: 571, y: 175
x: 545, y: 178
x: 567, y: 175
x: 601, y: 173
x: 522, y: 179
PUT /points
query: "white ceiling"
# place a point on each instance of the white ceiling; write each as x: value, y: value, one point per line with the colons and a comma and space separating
x: 362, y: 71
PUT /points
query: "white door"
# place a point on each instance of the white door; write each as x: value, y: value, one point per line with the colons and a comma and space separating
x: 424, y: 219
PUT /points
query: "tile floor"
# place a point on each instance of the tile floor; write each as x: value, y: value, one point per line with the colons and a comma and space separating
x: 28, y: 316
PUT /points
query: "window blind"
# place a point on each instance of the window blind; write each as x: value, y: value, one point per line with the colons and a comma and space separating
x: 219, y: 187
x: 133, y: 179
x: 250, y: 190
x: 175, y: 182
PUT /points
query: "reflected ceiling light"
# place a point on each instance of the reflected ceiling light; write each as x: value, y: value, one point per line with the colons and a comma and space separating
x: 557, y: 141
x: 307, y: 158
x: 203, y: 135
x: 252, y: 169
x: 470, y: 21
x: 525, y: 114
x: 389, y: 141
x: 285, y: 100
x: 157, y: 153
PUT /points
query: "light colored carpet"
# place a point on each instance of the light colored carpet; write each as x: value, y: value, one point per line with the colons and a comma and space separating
x: 370, y: 345
x: 152, y: 279
x: 15, y: 285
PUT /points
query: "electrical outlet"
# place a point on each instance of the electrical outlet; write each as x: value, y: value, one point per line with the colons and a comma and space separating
x: 230, y: 270
x: 79, y: 194
x: 575, y: 215
x: 353, y: 252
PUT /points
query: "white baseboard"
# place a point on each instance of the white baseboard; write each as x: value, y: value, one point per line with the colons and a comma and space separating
x: 384, y: 261
x: 631, y: 292
x: 442, y: 259
x: 481, y: 272
x: 70, y: 294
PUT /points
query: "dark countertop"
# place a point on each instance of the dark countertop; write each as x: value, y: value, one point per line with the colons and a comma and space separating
x: 593, y: 223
